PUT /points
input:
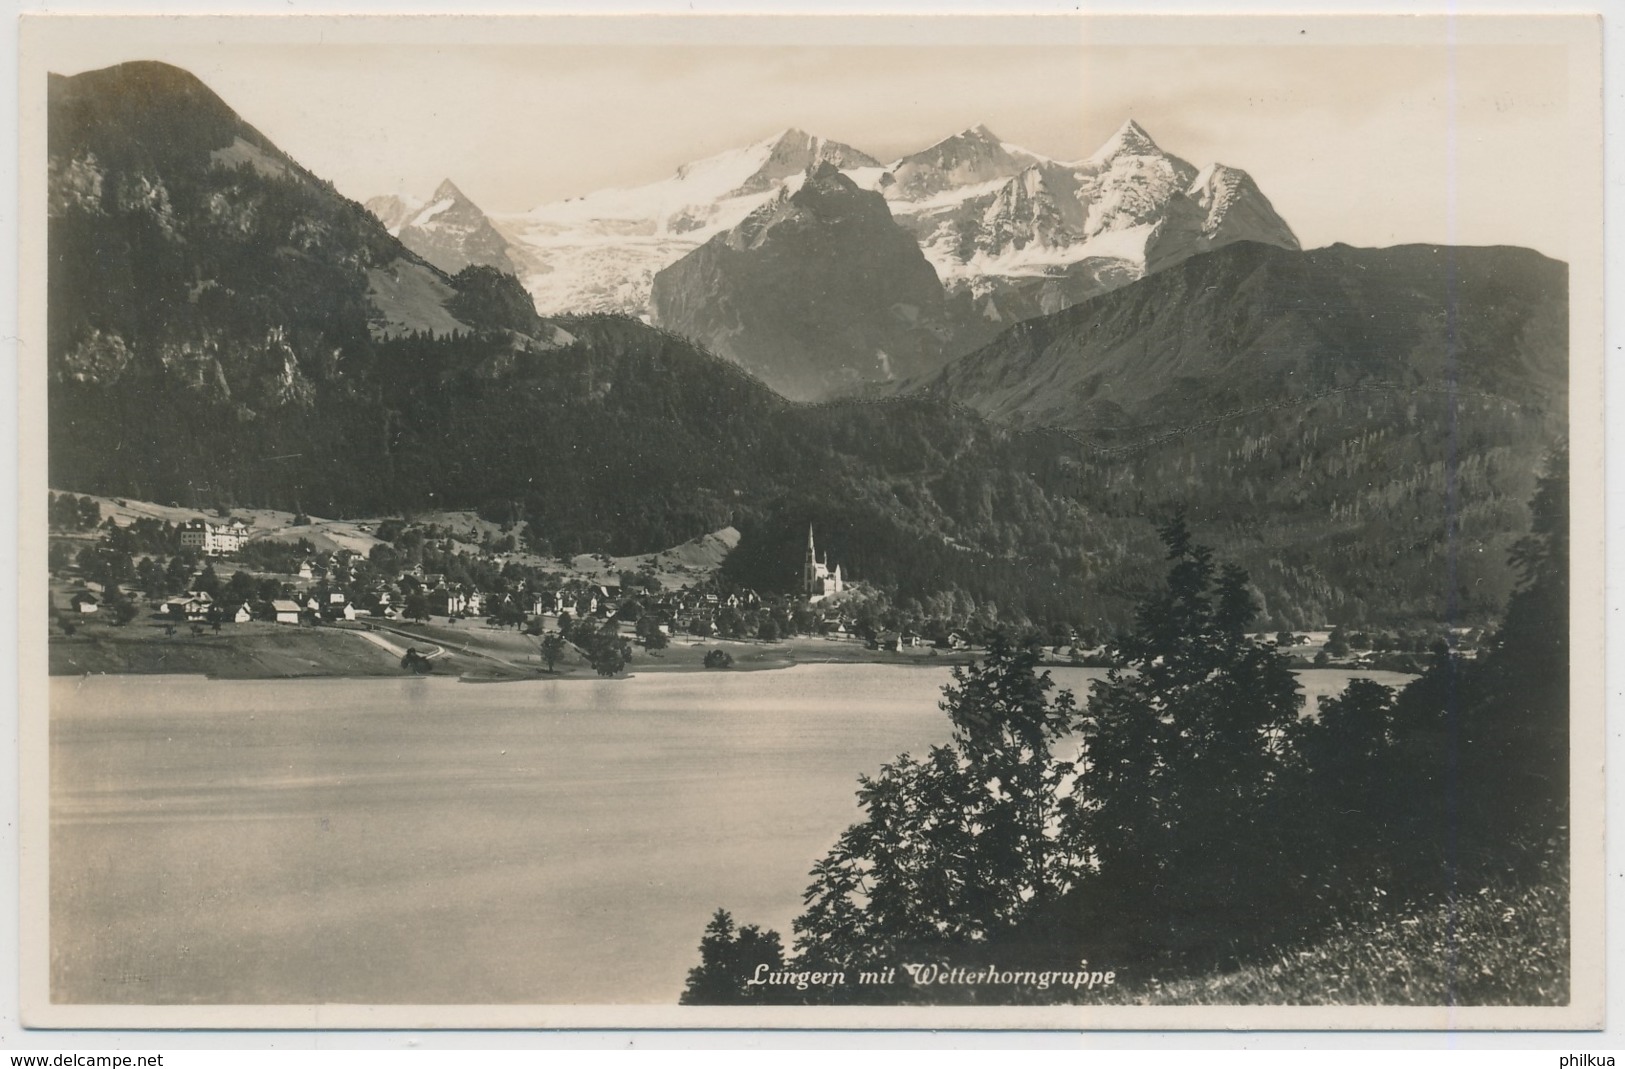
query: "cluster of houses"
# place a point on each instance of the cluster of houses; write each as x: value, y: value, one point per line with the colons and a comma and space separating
x: 199, y: 606
x: 331, y: 597
x: 327, y: 590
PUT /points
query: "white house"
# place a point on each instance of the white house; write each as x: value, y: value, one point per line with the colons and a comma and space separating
x: 286, y: 612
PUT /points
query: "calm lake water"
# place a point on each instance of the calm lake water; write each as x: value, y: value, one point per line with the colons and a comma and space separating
x: 427, y: 841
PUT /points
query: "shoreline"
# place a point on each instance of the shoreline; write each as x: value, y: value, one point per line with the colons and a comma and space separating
x: 470, y: 654
x: 479, y: 654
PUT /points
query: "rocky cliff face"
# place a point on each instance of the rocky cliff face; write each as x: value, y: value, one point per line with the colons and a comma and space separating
x: 816, y: 293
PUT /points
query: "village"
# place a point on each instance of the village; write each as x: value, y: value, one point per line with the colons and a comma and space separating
x: 456, y: 593
x: 460, y: 593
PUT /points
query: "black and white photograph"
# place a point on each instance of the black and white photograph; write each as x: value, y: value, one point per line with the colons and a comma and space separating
x: 999, y: 522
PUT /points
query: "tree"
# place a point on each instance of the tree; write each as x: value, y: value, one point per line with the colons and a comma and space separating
x: 768, y: 631
x: 963, y: 847
x: 240, y: 587
x: 1183, y: 737
x: 178, y: 576
x: 123, y: 609
x: 609, y: 654
x: 60, y: 556
x: 209, y: 582
x: 417, y: 607
x: 552, y: 648
x: 1351, y: 793
x: 650, y: 633
x: 729, y: 958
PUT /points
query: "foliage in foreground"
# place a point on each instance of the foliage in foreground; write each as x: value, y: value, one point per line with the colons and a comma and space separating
x: 1202, y: 823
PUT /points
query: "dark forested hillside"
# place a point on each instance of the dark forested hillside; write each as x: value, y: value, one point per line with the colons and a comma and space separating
x: 1361, y: 428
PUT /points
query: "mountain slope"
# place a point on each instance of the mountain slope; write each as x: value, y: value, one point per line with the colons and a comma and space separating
x: 1255, y: 324
x: 1360, y: 428
x: 205, y: 285
x: 816, y: 292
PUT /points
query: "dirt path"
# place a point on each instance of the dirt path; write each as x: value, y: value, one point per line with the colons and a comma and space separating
x: 441, y: 651
x: 398, y: 651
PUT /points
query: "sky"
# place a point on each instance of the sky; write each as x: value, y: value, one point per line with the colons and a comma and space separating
x: 1366, y: 138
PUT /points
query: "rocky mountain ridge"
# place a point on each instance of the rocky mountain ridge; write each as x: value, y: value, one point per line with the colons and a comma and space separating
x: 817, y: 292
x: 449, y: 230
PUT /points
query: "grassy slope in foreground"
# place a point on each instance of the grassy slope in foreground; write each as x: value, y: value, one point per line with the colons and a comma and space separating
x: 1496, y: 947
x: 241, y: 651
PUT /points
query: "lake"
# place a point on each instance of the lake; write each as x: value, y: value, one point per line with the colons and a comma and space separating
x: 425, y: 841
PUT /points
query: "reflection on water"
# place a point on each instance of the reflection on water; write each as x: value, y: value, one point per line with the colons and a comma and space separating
x: 424, y: 841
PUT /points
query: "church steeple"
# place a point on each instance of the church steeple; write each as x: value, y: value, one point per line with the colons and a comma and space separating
x: 818, y: 579
x: 809, y: 570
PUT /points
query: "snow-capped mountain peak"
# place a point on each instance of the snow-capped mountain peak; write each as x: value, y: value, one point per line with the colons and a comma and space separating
x: 971, y: 157
x: 1129, y: 140
x: 449, y: 231
x: 448, y: 190
x: 990, y: 216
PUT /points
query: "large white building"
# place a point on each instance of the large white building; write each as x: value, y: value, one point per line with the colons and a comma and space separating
x: 214, y: 538
x: 818, y: 579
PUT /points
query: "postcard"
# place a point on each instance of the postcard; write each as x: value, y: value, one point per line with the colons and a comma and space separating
x: 720, y: 521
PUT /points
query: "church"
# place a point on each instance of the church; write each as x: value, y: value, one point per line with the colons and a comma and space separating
x: 818, y: 579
